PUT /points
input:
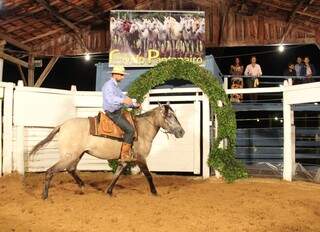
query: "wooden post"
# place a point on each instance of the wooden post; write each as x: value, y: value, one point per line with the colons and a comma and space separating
x: 31, y: 70
x: 221, y: 144
x: 22, y: 75
x: 288, y: 139
x: 2, y: 43
x: 19, y: 156
x: 206, y: 137
x: 1, y: 150
x: 7, y: 128
x: 225, y: 83
x: 196, y: 135
x: 19, y: 159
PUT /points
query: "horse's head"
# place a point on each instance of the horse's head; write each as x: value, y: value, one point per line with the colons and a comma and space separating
x: 168, y: 120
x: 186, y: 23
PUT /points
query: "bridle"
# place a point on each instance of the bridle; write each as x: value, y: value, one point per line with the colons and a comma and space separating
x: 166, y: 132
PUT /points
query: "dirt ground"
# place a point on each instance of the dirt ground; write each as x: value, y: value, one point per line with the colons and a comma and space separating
x: 183, y: 204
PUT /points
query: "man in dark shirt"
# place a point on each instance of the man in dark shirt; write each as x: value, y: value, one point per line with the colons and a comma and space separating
x: 290, y: 71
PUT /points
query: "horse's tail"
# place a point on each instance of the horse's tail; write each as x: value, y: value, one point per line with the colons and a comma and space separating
x: 45, y: 141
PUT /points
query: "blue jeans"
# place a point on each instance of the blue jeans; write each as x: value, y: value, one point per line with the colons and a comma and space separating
x: 120, y: 121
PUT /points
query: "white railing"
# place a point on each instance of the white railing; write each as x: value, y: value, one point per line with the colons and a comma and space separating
x: 292, y: 94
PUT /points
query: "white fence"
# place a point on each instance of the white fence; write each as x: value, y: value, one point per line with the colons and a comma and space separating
x: 37, y: 110
x: 292, y: 95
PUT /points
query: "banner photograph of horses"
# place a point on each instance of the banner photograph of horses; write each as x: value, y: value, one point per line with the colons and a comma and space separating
x: 159, y: 116
x: 145, y: 38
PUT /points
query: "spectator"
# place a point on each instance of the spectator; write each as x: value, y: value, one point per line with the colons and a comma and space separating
x: 298, y: 66
x: 307, y: 71
x: 253, y: 71
x: 236, y: 70
x: 290, y: 71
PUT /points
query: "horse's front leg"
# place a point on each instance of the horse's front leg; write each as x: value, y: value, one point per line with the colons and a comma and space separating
x: 115, y: 178
x: 144, y: 168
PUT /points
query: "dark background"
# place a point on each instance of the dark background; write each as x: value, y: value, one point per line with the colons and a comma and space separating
x: 76, y: 71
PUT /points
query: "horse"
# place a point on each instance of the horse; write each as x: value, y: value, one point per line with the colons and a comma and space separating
x: 75, y: 140
x: 187, y: 34
x: 175, y: 33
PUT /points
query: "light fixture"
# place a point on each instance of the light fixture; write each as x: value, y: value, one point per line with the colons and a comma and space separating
x: 316, y: 103
x: 258, y: 120
x: 281, y: 48
x: 87, y: 57
x: 276, y: 118
x: 281, y: 120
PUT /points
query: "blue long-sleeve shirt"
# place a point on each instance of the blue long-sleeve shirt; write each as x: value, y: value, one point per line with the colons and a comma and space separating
x: 112, y: 96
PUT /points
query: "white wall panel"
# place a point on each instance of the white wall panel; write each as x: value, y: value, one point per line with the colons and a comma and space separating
x: 176, y: 154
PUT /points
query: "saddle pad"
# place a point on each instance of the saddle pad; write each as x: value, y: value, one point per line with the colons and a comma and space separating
x: 102, y: 125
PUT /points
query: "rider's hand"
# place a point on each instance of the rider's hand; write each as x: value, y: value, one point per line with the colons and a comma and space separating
x: 127, y: 101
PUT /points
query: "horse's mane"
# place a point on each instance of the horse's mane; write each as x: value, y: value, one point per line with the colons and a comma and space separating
x: 146, y: 114
x: 150, y: 112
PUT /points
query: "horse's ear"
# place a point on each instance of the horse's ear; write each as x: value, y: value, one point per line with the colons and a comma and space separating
x: 168, y: 103
x: 163, y: 110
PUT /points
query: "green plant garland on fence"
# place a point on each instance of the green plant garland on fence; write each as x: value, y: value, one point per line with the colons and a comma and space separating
x: 220, y: 159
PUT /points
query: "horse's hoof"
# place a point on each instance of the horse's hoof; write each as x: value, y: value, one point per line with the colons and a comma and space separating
x: 154, y: 193
x: 109, y: 193
x: 44, y: 196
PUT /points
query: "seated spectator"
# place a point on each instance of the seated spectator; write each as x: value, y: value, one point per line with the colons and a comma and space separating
x: 307, y: 71
x: 236, y: 70
x: 298, y: 66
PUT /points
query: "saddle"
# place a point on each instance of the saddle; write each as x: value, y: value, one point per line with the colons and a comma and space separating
x: 102, y: 125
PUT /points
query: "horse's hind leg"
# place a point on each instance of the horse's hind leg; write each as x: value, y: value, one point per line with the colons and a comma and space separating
x: 72, y: 171
x: 116, y: 176
x: 58, y: 167
x: 144, y: 168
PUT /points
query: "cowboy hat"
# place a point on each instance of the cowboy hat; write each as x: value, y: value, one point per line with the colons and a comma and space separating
x: 118, y: 69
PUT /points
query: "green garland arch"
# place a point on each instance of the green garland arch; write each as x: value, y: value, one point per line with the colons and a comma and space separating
x: 222, y: 160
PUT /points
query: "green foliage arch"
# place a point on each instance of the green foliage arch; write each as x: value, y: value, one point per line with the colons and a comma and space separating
x: 220, y: 159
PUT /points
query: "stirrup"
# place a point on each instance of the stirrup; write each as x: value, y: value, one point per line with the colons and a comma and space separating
x: 127, y: 160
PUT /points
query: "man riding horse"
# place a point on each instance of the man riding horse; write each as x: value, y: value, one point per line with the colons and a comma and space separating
x: 113, y: 102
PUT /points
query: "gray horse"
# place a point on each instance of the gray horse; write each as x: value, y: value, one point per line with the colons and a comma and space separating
x: 75, y: 140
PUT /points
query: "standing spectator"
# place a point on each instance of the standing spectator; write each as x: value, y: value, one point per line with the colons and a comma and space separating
x: 307, y: 71
x: 298, y: 66
x: 236, y: 70
x: 253, y: 71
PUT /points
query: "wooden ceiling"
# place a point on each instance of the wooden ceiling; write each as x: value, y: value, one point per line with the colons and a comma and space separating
x: 73, y: 27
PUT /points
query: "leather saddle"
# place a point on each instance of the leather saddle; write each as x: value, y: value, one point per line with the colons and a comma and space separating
x: 102, y: 125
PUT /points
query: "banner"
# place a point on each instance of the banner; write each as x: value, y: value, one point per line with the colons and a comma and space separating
x: 145, y: 38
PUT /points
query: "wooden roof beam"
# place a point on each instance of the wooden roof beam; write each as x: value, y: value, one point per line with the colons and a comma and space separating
x: 51, y: 32
x: 66, y: 22
x: 18, y: 16
x: 14, y: 42
x: 291, y: 19
x: 129, y: 4
x: 82, y: 9
x: 46, y: 71
x: 286, y: 9
x: 13, y: 59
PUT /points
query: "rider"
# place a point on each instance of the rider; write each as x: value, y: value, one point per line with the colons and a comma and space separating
x: 113, y: 101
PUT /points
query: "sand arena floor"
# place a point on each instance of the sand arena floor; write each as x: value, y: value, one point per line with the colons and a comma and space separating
x: 184, y: 204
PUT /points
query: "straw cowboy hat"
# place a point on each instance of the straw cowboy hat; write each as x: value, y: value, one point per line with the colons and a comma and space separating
x: 118, y: 69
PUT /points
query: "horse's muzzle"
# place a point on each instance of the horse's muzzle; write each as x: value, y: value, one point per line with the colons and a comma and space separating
x: 179, y: 133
